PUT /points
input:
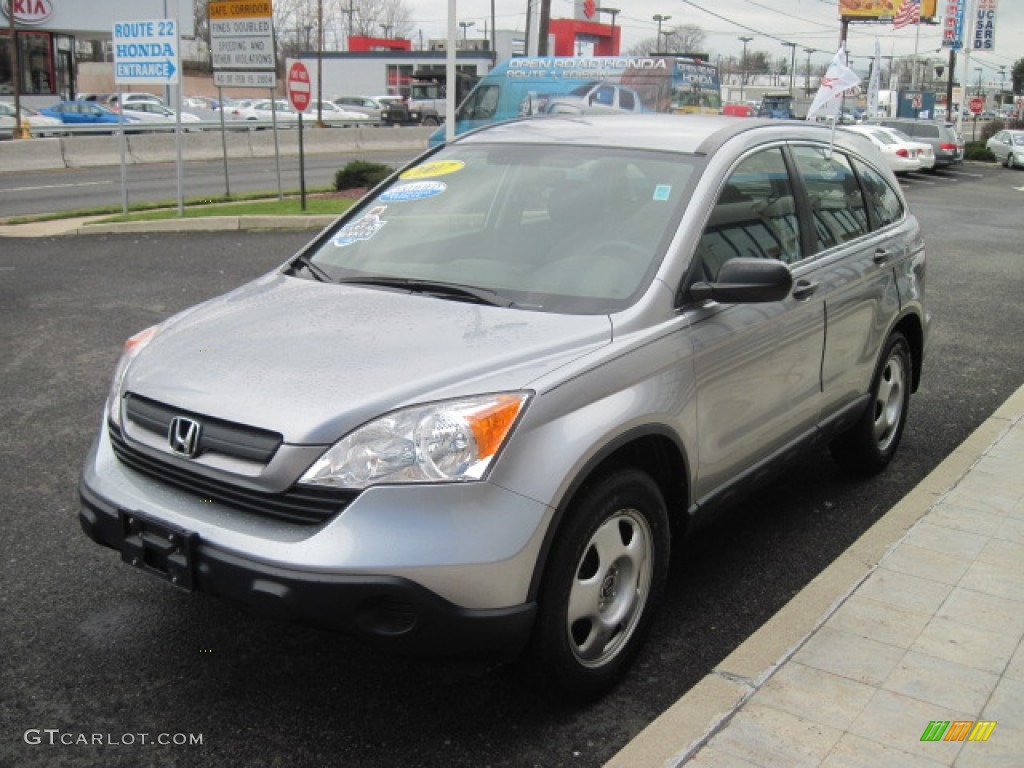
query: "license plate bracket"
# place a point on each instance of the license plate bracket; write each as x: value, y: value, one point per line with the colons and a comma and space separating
x: 162, y: 549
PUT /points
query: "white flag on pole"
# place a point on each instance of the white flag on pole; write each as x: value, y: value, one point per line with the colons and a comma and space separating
x: 837, y: 80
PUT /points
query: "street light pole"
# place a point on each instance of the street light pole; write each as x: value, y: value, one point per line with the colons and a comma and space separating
x: 465, y: 25
x: 792, y: 63
x: 320, y: 63
x: 743, y: 64
x: 659, y: 18
x: 807, y: 72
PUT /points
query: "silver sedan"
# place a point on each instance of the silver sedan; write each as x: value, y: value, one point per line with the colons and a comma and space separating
x: 1008, y: 147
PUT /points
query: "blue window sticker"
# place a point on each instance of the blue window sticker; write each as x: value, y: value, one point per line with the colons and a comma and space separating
x: 414, y: 190
x: 363, y: 228
x: 662, y: 192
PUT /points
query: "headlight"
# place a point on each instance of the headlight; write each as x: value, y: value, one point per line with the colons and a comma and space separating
x: 450, y: 441
x: 132, y: 347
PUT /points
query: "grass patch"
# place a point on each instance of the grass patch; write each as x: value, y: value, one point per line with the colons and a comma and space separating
x: 172, y: 206
x: 286, y: 207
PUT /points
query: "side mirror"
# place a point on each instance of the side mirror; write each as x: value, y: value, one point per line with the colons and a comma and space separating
x: 746, y: 281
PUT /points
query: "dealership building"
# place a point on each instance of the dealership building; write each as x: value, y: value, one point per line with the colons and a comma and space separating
x: 51, y: 35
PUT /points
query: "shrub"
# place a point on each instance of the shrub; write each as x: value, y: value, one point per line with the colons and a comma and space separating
x: 976, y: 150
x: 359, y: 174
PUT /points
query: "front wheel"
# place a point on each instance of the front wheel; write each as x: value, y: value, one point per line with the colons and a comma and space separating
x: 870, y: 444
x: 605, y: 576
x: 1010, y: 162
x: 431, y: 121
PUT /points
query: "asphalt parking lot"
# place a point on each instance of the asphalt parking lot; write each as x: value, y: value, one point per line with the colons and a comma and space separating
x: 95, y: 649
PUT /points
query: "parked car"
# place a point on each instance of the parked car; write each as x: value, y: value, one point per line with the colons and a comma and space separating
x: 334, y: 115
x: 945, y: 139
x: 84, y: 113
x: 924, y: 150
x: 902, y: 156
x: 476, y: 414
x: 264, y: 109
x: 368, y: 105
x: 38, y: 124
x: 1008, y: 147
x: 157, y: 112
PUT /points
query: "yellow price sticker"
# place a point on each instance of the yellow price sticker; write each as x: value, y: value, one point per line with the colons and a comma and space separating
x: 436, y: 168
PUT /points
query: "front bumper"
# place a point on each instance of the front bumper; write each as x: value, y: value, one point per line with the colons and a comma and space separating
x: 394, y: 612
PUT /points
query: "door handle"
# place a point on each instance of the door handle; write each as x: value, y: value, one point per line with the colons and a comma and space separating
x: 881, y: 256
x: 804, y: 289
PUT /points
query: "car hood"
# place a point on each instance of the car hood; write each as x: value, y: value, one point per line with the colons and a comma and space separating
x: 312, y: 361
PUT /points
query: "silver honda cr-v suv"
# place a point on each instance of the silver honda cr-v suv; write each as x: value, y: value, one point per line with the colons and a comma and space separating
x: 475, y: 414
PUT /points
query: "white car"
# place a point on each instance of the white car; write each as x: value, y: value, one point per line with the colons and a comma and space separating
x: 334, y: 115
x: 901, y: 156
x: 924, y: 150
x: 1008, y: 147
x: 264, y: 110
x: 39, y: 125
x: 156, y: 112
x: 369, y: 106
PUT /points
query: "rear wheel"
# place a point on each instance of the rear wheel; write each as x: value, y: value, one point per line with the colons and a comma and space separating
x: 606, y: 572
x: 1010, y: 162
x: 431, y: 121
x: 869, y: 446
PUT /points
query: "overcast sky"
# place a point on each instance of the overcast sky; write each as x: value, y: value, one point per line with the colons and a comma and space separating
x: 808, y: 23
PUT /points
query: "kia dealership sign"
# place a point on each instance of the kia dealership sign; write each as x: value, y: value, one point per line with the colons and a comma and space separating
x: 29, y: 12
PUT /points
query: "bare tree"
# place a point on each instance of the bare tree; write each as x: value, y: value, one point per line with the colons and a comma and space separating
x: 688, y: 38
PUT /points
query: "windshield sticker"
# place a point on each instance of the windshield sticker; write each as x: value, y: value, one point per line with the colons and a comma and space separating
x: 414, y: 190
x: 363, y: 228
x: 436, y: 168
x: 662, y: 192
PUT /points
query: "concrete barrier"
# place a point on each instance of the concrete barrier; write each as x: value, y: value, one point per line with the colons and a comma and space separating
x: 31, y: 155
x: 152, y: 148
x: 262, y: 142
x: 384, y: 139
x: 326, y: 140
x: 92, y: 151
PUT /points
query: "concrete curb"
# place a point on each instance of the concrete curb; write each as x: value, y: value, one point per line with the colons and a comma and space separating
x: 689, y: 723
x: 206, y: 224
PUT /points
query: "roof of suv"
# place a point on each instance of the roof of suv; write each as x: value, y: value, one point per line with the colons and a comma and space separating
x: 691, y: 134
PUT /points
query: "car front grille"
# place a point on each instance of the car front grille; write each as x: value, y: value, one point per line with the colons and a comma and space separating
x: 304, y: 506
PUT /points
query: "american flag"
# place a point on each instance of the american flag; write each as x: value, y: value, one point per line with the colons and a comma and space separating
x: 909, y: 13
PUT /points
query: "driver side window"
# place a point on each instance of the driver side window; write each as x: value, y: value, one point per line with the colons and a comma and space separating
x: 754, y: 216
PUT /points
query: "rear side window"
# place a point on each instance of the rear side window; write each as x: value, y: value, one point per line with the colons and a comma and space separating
x: 884, y: 203
x: 836, y: 201
x: 926, y: 131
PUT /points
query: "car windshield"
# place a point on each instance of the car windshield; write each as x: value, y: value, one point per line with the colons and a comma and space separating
x: 562, y: 229
x: 1018, y: 138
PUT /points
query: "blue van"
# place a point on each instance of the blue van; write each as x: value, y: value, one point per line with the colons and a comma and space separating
x: 544, y: 85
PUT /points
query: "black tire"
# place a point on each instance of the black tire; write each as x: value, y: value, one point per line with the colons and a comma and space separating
x: 431, y: 121
x: 1010, y: 163
x: 605, y: 576
x: 868, y: 447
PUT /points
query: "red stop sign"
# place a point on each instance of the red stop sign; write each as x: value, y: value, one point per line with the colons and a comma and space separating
x: 976, y: 104
x: 299, y: 90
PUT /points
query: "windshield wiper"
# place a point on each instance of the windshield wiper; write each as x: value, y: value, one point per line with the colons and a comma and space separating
x: 302, y: 260
x: 434, y: 288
